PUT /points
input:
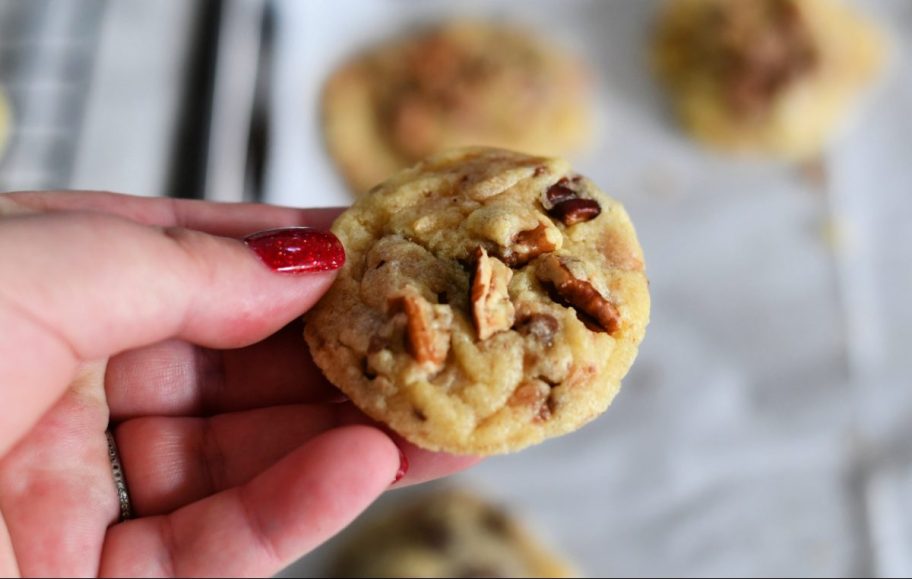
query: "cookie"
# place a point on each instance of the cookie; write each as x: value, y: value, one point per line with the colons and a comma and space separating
x: 452, y: 85
x: 774, y: 77
x: 447, y: 534
x: 6, y: 121
x: 490, y: 300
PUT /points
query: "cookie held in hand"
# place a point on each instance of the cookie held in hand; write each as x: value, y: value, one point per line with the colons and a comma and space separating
x: 490, y: 300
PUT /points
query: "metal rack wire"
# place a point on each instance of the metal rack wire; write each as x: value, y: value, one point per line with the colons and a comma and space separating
x: 47, y: 54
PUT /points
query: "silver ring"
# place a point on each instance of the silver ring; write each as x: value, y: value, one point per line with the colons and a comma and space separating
x: 120, y: 481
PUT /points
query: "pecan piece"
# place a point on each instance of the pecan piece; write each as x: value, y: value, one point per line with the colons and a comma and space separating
x: 564, y: 204
x: 529, y: 244
x: 492, y: 310
x: 427, y: 329
x: 592, y: 309
x: 558, y: 193
x: 573, y: 211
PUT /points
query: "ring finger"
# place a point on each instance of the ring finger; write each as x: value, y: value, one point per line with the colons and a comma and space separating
x: 171, y: 462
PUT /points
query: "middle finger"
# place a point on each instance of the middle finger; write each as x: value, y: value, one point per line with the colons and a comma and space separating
x: 171, y: 462
x: 175, y: 378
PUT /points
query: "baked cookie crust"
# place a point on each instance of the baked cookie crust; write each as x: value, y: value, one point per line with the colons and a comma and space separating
x: 489, y: 300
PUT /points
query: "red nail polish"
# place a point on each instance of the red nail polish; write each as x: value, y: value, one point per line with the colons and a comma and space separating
x: 403, y: 467
x: 297, y: 249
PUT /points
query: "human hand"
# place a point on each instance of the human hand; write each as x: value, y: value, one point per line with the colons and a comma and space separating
x: 152, y: 316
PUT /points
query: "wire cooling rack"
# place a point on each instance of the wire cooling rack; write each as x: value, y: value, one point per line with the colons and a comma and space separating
x: 47, y: 55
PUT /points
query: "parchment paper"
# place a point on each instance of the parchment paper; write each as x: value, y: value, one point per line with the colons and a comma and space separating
x: 766, y: 428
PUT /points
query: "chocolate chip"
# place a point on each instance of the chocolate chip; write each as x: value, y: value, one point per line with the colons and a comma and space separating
x: 573, y: 211
x: 560, y: 192
x: 540, y: 326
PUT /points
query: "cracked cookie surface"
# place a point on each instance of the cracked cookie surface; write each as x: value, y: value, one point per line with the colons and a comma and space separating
x: 489, y: 300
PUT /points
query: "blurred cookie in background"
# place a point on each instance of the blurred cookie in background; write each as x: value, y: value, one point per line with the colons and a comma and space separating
x: 449, y: 533
x: 774, y: 77
x: 450, y: 85
x: 6, y: 121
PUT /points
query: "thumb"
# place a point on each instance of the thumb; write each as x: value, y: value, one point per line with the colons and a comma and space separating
x: 79, y: 287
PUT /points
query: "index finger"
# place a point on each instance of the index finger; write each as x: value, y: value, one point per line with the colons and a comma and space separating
x: 224, y: 219
x: 81, y: 286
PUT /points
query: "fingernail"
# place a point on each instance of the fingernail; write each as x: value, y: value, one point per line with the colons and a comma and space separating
x: 403, y: 467
x: 297, y: 249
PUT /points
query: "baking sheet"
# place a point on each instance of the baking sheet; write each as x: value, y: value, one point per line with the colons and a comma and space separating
x: 765, y: 428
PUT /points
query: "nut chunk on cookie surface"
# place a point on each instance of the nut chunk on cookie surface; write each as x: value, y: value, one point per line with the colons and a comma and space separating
x: 428, y: 330
x: 490, y: 300
x: 492, y: 309
x: 580, y: 295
